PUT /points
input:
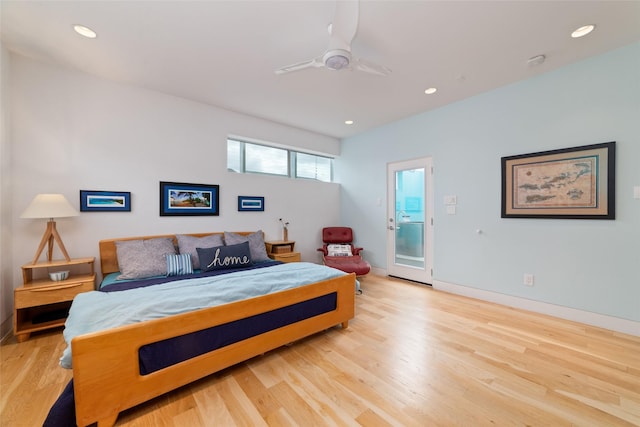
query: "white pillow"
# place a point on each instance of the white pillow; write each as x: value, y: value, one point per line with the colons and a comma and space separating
x: 339, y: 250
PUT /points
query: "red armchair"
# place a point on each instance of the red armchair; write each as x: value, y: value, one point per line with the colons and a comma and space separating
x: 339, y: 252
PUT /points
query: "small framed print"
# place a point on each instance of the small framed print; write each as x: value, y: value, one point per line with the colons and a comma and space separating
x: 105, y: 201
x: 182, y: 199
x: 250, y: 203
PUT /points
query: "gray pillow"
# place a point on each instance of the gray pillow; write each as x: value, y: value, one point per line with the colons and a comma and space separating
x: 188, y: 245
x: 256, y: 244
x: 143, y: 258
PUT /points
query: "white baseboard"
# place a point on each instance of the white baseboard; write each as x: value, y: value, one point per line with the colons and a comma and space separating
x: 378, y: 271
x: 594, y: 319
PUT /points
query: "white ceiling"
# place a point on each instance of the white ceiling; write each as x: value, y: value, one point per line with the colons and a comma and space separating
x: 224, y: 53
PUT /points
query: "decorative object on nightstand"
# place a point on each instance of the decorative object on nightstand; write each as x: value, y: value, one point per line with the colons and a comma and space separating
x: 43, y: 301
x: 282, y: 250
x: 50, y: 206
x: 285, y: 230
x: 56, y: 276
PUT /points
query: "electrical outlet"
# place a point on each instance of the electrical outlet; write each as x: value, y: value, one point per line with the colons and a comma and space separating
x: 528, y: 279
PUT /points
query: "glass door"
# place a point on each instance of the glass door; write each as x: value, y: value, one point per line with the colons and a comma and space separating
x: 409, y: 222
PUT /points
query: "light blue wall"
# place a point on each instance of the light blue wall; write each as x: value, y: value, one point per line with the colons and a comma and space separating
x: 590, y: 265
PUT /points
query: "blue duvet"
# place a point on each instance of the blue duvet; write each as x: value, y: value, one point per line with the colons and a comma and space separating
x: 96, y: 311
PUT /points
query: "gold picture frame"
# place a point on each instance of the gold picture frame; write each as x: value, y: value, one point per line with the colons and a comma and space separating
x: 570, y: 183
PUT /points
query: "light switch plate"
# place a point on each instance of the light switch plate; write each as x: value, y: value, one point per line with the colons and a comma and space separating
x: 450, y: 200
x: 451, y: 209
x: 636, y: 192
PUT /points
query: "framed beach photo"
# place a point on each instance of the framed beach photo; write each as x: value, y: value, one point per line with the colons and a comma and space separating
x: 250, y: 204
x: 571, y: 183
x: 181, y: 199
x: 105, y: 201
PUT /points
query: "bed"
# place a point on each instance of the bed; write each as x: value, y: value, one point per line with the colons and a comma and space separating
x: 108, y: 371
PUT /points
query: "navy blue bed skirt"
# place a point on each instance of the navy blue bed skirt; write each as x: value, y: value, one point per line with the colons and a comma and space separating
x: 156, y: 356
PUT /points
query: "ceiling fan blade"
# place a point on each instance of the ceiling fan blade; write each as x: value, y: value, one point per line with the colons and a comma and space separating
x: 344, y: 25
x: 370, y: 67
x: 313, y: 63
x: 343, y: 29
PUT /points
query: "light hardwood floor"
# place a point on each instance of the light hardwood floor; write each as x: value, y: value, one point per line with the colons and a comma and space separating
x: 411, y: 357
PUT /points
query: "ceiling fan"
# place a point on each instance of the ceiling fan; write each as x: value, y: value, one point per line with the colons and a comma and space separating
x: 338, y: 54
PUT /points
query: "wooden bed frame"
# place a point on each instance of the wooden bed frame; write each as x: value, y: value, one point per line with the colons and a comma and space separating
x: 106, y: 371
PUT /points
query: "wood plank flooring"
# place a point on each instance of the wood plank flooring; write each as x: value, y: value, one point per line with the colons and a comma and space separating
x: 411, y: 357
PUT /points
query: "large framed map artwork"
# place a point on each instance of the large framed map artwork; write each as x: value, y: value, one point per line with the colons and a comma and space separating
x: 572, y: 183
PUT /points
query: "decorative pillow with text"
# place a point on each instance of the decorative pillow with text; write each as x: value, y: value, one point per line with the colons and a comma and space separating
x: 221, y: 257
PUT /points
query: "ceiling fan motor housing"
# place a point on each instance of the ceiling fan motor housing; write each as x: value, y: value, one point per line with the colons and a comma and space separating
x: 337, y: 59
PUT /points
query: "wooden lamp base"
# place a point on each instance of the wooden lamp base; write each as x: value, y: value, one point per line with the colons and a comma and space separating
x: 50, y: 234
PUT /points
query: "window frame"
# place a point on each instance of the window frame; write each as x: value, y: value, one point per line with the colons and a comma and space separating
x: 294, y: 165
x: 291, y: 160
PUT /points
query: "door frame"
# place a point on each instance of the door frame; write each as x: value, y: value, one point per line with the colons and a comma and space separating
x: 422, y: 275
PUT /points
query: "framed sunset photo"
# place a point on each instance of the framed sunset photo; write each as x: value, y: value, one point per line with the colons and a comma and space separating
x: 182, y: 199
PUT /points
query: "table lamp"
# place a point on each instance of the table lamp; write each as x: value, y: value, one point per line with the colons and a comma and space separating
x: 50, y: 206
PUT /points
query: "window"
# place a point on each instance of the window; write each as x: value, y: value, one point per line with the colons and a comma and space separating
x: 263, y: 159
x: 233, y: 156
x: 246, y: 157
x: 313, y: 167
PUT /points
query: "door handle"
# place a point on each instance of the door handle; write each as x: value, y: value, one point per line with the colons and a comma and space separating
x: 391, y: 227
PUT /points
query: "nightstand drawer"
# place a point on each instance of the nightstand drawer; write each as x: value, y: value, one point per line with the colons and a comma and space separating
x: 31, y: 296
x: 288, y: 257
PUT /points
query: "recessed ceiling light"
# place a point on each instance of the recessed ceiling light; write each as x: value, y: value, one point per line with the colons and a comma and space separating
x: 85, y: 31
x: 431, y: 91
x: 583, y: 31
x: 348, y: 122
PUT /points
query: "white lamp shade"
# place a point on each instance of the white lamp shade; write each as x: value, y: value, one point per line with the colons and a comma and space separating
x: 49, y: 206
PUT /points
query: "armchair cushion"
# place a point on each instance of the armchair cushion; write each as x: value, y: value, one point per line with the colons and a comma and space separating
x: 337, y: 235
x: 339, y: 250
x: 351, y: 264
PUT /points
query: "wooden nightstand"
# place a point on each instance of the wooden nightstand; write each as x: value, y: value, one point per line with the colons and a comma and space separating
x: 43, y: 303
x: 282, y: 250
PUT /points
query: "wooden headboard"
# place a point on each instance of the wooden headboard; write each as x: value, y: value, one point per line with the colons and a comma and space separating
x: 109, y: 258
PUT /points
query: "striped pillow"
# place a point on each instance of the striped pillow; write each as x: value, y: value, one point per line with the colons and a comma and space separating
x: 179, y: 264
